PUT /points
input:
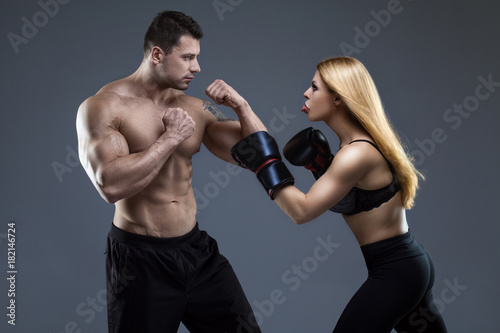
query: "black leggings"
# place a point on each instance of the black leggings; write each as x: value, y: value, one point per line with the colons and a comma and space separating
x: 397, y: 293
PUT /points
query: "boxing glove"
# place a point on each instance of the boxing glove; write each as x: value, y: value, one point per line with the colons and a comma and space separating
x: 259, y: 153
x: 309, y: 148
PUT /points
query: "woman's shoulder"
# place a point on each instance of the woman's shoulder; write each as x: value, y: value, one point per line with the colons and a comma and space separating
x: 359, y: 156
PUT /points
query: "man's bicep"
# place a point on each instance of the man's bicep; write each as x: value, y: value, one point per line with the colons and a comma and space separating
x: 214, y: 110
x: 221, y: 136
x: 107, y: 147
x: 99, y: 142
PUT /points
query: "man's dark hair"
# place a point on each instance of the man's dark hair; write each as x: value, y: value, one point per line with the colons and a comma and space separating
x: 167, y: 29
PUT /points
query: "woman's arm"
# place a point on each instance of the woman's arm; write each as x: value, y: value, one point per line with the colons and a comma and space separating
x: 348, y: 166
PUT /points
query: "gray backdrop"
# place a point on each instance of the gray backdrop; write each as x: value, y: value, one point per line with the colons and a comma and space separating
x: 435, y: 64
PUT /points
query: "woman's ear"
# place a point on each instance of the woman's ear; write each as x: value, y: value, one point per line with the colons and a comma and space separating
x: 336, y: 99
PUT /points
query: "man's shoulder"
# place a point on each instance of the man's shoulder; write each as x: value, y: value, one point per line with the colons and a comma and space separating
x: 194, y: 105
x: 205, y: 107
x: 119, y: 89
x: 99, y: 102
x: 104, y: 104
x: 188, y: 100
x: 110, y: 94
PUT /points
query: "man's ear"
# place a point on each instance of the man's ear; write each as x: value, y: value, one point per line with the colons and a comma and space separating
x: 156, y: 55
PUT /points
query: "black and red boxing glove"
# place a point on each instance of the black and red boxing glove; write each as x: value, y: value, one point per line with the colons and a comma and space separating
x: 259, y: 153
x: 309, y: 148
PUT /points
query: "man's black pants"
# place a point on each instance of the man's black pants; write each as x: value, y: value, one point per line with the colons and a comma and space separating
x: 154, y: 284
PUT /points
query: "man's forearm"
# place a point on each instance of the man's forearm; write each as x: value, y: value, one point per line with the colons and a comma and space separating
x: 127, y: 175
x: 222, y: 93
x: 249, y: 121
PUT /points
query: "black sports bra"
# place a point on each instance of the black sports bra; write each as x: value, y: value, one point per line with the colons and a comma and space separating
x: 359, y: 200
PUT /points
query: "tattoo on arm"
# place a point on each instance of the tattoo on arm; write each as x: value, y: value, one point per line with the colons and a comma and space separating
x: 214, y: 110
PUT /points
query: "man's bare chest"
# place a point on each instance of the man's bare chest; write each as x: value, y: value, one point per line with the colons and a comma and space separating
x: 143, y: 124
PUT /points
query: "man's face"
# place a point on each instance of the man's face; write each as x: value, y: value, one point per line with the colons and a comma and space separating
x: 179, y: 66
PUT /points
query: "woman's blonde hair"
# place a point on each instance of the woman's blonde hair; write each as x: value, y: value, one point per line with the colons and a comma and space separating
x: 350, y: 79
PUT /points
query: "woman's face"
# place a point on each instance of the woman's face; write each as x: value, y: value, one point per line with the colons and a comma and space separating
x: 319, y: 103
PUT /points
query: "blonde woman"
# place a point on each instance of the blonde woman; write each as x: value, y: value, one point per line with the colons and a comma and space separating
x: 371, y: 181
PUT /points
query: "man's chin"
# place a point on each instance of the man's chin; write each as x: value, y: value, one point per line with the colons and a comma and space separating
x: 183, y: 86
x: 176, y: 86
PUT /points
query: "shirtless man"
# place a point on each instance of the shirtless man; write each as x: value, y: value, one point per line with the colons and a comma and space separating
x: 137, y: 137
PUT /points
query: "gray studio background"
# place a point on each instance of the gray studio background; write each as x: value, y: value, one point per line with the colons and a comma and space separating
x: 436, y: 66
